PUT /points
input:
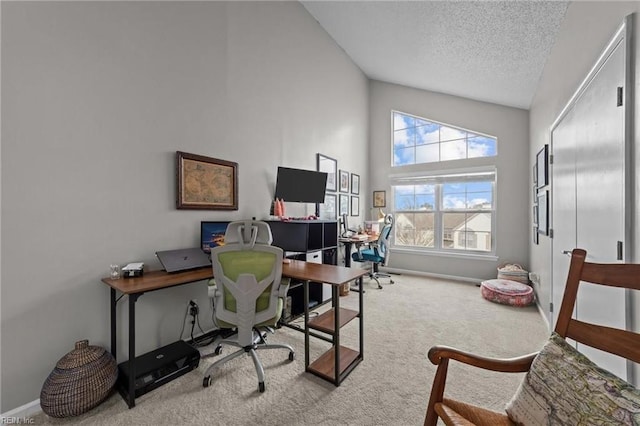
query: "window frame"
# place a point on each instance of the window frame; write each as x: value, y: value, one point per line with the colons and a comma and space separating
x: 438, y: 143
x: 468, y: 175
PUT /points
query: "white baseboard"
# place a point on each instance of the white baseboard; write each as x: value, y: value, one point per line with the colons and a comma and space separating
x: 21, y: 413
x: 431, y: 275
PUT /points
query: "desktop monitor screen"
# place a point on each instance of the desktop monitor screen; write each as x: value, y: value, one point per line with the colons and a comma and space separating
x: 212, y: 234
x: 302, y: 186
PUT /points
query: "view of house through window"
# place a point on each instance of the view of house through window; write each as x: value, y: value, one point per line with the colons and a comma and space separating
x: 417, y: 140
x: 449, y: 211
x: 447, y: 214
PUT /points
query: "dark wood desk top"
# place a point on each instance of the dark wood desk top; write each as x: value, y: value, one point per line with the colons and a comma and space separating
x: 298, y: 269
x: 156, y: 280
x: 330, y: 274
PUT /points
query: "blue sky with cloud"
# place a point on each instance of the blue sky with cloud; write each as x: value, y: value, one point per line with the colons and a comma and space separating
x: 418, y: 141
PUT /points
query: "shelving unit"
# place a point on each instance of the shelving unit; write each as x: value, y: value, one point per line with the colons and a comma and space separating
x: 313, y: 241
x: 338, y: 361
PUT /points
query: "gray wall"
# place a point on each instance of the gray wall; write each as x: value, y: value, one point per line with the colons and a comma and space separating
x: 509, y: 125
x: 97, y: 97
x: 587, y: 29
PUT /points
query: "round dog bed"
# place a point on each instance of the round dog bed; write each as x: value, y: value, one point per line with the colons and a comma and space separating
x: 507, y: 292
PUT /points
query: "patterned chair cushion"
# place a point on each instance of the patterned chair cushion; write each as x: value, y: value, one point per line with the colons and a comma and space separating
x: 564, y: 387
x: 507, y: 292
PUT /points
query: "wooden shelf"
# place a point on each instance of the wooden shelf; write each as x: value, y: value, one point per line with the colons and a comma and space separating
x: 325, y: 322
x: 324, y: 366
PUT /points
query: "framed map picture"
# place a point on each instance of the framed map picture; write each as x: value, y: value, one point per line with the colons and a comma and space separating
x: 206, y: 183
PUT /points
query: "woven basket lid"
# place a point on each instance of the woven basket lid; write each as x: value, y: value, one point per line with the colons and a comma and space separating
x: 81, y: 355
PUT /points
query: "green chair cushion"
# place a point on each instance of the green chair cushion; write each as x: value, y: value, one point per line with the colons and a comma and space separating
x: 257, y: 263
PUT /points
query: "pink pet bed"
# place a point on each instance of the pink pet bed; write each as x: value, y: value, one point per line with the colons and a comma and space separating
x: 507, y: 292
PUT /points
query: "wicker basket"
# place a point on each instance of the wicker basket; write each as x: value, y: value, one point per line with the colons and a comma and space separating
x: 344, y: 289
x: 82, y: 379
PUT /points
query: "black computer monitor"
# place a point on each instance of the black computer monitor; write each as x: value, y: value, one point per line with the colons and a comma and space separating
x: 212, y: 234
x: 345, y: 226
x: 302, y: 186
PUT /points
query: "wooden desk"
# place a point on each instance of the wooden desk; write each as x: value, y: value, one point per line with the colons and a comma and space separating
x: 335, y: 364
x: 343, y: 360
x: 350, y: 241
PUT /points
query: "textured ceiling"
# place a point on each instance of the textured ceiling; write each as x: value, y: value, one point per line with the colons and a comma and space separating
x: 492, y: 51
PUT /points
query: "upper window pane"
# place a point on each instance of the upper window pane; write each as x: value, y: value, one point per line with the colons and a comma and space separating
x: 469, y: 195
x: 449, y: 134
x: 481, y: 146
x: 403, y: 121
x: 427, y: 153
x: 427, y: 133
x: 417, y: 140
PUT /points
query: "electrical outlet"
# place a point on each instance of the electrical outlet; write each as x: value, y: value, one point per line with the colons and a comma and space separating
x: 193, y: 308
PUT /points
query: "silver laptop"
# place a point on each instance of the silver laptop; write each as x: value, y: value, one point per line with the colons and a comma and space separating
x: 183, y: 259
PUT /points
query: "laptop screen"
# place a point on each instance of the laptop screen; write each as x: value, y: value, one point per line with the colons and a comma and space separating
x: 212, y: 234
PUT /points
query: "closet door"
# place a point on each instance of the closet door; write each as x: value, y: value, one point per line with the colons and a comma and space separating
x: 589, y: 159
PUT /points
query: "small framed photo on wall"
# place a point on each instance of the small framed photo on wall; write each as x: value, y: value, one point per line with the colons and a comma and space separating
x: 355, y: 206
x: 543, y: 213
x: 328, y: 209
x: 379, y: 199
x: 355, y: 184
x: 542, y: 166
x: 344, y: 204
x: 344, y: 181
x: 330, y: 167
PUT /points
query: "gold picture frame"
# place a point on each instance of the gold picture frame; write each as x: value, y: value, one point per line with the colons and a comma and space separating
x: 206, y: 183
x: 379, y: 199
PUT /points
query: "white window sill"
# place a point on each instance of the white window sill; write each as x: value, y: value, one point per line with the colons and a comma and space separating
x: 456, y: 255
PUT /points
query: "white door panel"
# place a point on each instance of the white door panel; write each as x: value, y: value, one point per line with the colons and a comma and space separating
x: 564, y: 204
x: 589, y: 197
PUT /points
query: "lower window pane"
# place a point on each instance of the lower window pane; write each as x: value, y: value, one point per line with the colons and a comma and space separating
x: 467, y: 231
x: 414, y: 229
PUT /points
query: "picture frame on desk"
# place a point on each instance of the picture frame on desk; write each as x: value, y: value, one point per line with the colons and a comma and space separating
x: 330, y: 167
x: 344, y: 204
x: 328, y: 210
x: 206, y: 183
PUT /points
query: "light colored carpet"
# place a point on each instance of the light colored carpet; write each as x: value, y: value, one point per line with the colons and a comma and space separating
x: 390, y: 387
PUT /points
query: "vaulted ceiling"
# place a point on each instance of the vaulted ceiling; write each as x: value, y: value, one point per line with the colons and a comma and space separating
x: 492, y: 51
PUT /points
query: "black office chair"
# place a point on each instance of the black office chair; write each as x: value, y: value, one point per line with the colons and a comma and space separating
x: 377, y: 253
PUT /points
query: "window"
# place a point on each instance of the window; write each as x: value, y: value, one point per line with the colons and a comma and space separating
x: 445, y: 213
x: 417, y: 141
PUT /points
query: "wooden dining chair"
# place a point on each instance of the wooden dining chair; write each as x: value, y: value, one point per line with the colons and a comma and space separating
x: 560, y: 355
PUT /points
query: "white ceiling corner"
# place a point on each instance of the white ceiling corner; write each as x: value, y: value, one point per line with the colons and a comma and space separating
x: 492, y: 51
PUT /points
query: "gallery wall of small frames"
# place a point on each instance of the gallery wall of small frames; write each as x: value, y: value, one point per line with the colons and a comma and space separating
x: 342, y: 194
x: 540, y: 192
